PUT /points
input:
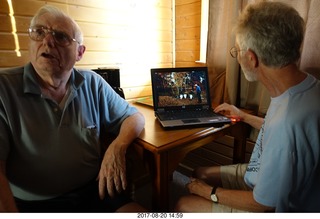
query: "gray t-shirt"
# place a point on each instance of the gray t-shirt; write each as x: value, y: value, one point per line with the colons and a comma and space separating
x: 284, y: 169
x: 49, y: 148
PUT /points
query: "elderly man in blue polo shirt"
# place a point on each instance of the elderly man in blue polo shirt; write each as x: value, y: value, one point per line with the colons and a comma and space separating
x: 52, y: 119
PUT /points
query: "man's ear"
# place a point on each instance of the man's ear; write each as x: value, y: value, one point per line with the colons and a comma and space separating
x: 252, y: 58
x: 81, y: 50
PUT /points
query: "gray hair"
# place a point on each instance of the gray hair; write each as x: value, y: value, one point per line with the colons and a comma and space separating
x: 273, y: 30
x: 59, y: 14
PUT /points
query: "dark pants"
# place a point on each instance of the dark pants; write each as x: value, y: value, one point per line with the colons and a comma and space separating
x: 85, y: 199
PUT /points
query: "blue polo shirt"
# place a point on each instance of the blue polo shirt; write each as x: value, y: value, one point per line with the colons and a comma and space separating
x: 49, y: 149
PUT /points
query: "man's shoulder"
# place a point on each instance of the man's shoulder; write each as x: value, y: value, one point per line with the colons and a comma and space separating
x: 88, y: 78
x: 85, y: 72
x: 88, y: 75
x: 11, y: 75
x: 12, y: 70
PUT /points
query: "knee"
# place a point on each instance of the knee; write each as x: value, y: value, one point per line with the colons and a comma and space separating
x: 182, y: 204
x: 210, y: 175
x: 200, y: 173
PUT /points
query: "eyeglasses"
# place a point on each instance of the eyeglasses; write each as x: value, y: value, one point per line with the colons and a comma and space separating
x: 234, y: 52
x: 61, y: 38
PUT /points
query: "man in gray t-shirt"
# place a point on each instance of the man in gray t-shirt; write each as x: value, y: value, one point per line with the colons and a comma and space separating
x: 283, y: 174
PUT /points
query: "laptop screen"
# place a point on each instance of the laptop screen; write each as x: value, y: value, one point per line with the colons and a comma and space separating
x: 181, y: 88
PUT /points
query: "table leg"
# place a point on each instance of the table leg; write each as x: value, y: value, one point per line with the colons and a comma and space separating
x: 240, y: 132
x: 161, y: 180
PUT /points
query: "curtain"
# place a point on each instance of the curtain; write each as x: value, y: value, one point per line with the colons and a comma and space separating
x: 223, y: 69
x: 227, y: 83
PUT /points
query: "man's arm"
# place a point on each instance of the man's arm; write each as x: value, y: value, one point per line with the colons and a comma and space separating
x: 236, y: 113
x: 113, y: 168
x: 237, y: 199
x: 242, y: 200
x: 7, y: 203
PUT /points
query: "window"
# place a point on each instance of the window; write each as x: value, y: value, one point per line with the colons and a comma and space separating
x: 204, y: 30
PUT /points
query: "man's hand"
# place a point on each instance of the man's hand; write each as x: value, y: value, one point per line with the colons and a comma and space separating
x: 200, y: 188
x: 238, y: 115
x: 112, y: 173
x: 232, y: 111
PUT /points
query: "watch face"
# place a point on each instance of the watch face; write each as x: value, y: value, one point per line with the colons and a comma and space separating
x: 214, y: 198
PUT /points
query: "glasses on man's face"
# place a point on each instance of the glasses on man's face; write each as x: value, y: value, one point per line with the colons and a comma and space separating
x: 61, y: 38
x: 234, y: 52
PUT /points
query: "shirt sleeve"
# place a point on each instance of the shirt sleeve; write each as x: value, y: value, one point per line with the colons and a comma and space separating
x: 4, y: 135
x: 115, y: 109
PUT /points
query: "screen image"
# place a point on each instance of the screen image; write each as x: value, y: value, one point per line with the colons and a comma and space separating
x: 181, y: 88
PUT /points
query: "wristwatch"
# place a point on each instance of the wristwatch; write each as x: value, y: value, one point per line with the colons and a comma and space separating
x: 214, y: 197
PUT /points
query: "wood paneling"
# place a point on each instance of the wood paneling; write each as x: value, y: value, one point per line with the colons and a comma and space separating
x: 133, y: 36
x: 219, y: 152
x: 187, y: 32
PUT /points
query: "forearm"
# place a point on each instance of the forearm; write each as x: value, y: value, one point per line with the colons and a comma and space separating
x: 236, y: 113
x: 130, y: 130
x: 237, y: 199
x: 254, y: 121
x: 242, y: 200
x: 7, y: 203
x: 113, y: 169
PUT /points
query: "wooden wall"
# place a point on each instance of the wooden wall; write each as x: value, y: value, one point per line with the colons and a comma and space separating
x: 132, y: 35
x: 187, y: 32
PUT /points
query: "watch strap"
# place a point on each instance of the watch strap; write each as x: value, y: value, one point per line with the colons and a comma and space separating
x: 213, y: 190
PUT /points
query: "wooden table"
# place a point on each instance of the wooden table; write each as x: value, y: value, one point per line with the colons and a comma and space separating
x: 163, y: 150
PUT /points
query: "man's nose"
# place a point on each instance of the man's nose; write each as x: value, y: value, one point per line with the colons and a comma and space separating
x: 49, y: 39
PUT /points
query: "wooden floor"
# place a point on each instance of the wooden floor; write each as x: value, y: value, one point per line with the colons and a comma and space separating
x: 143, y: 193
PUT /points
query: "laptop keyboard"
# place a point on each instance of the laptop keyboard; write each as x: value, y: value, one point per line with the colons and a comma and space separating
x: 174, y: 115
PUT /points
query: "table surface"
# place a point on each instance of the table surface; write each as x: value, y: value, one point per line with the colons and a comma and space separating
x: 155, y: 138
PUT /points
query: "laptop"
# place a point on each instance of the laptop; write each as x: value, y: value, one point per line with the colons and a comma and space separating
x: 181, y: 98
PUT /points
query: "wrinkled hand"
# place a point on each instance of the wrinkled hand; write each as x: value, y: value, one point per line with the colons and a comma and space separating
x: 112, y: 173
x: 199, y: 187
x: 233, y: 112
